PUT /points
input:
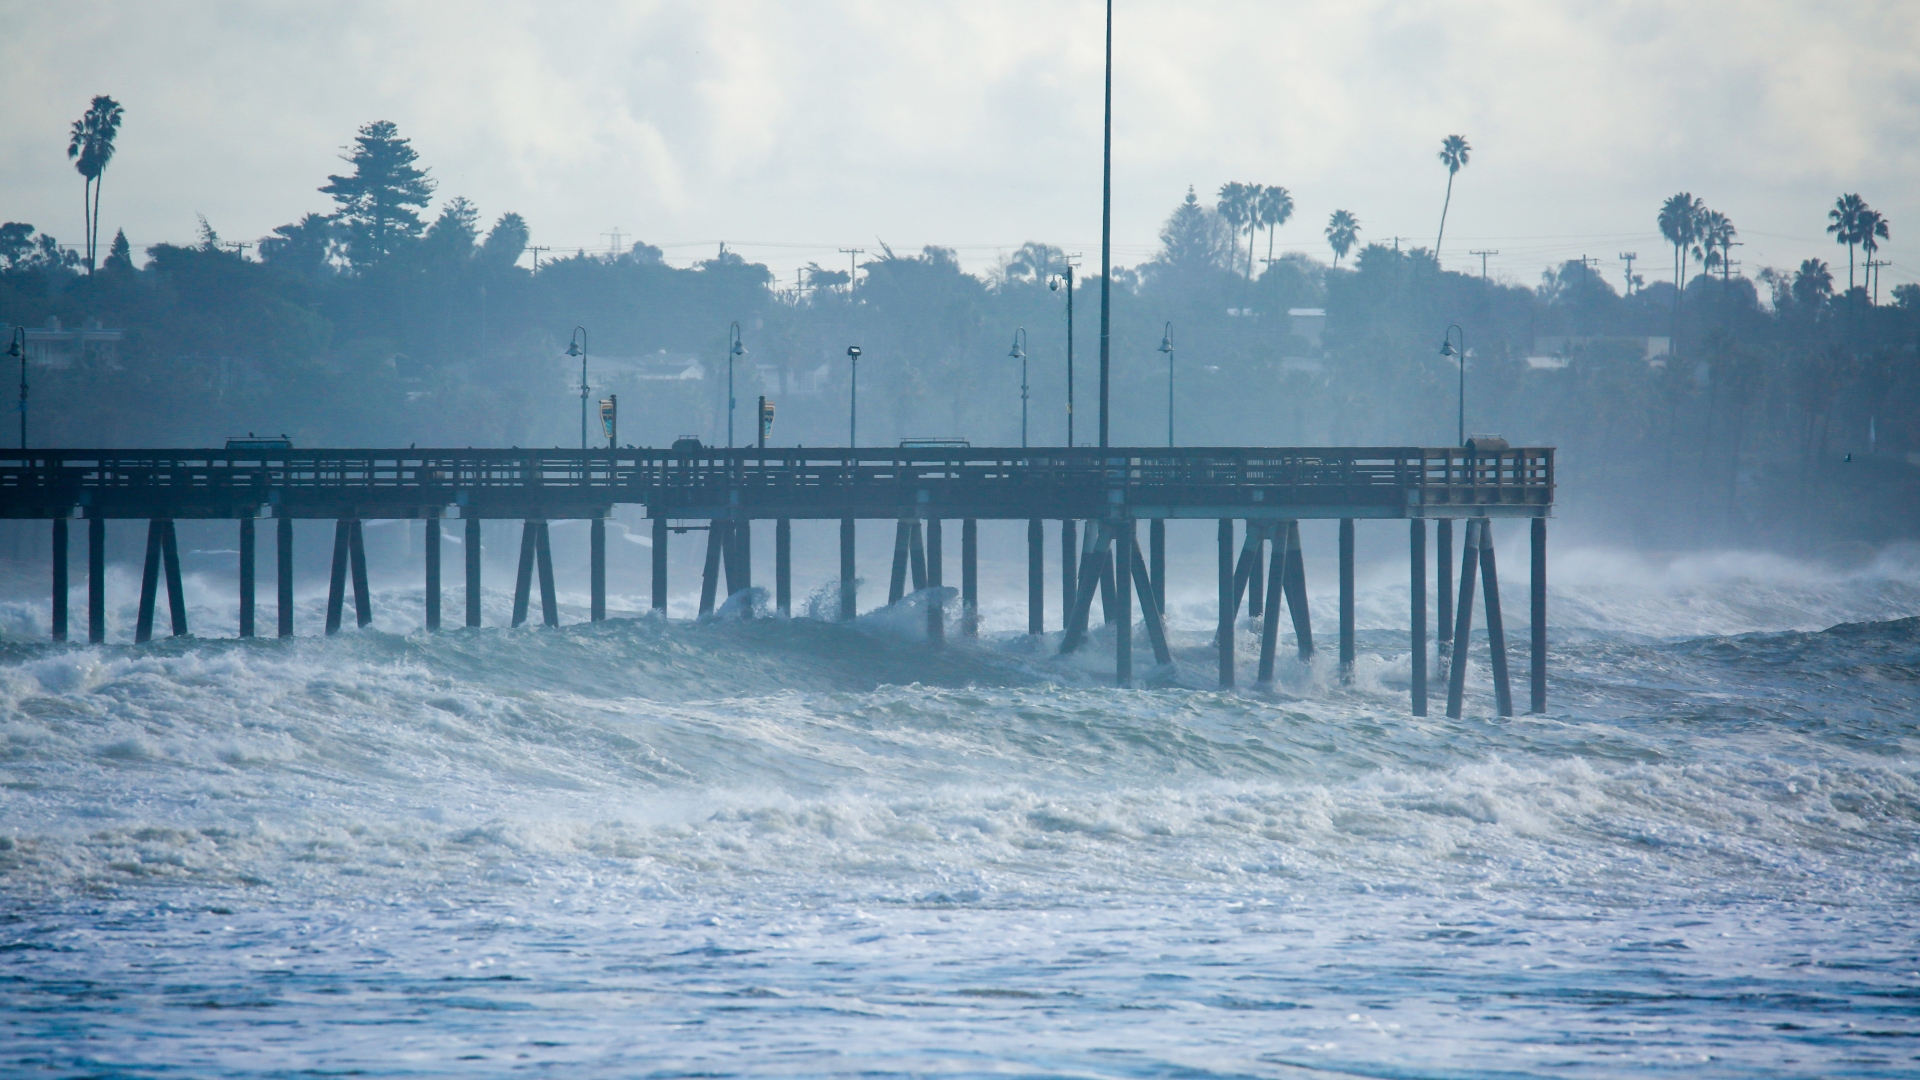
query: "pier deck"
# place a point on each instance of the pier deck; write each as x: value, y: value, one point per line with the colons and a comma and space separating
x: 1267, y: 490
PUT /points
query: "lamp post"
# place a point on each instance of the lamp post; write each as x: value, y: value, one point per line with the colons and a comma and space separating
x: 1166, y: 346
x: 853, y: 397
x: 735, y: 348
x: 578, y: 347
x: 1054, y: 285
x: 1019, y: 353
x: 18, y: 348
x: 1106, y: 228
x: 1447, y: 349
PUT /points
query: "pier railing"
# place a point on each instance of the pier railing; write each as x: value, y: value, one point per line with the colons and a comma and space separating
x: 1246, y: 482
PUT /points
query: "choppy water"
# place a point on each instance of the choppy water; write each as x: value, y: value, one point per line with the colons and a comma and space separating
x: 773, y: 848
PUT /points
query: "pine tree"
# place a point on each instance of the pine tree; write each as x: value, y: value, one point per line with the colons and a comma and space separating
x: 378, y: 202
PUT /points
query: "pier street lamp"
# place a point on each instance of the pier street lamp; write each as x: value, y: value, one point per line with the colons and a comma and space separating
x: 18, y: 348
x: 735, y: 348
x: 853, y: 397
x: 578, y: 347
x: 1019, y: 353
x: 1055, y: 285
x: 1166, y: 346
x: 1447, y: 349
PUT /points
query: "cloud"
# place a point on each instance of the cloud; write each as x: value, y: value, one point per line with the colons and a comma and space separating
x: 824, y: 124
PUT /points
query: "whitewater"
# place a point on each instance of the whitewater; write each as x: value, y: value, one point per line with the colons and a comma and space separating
x: 771, y: 847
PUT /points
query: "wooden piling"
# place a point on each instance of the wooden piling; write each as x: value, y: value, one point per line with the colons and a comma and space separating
x: 149, y: 584
x: 1150, y: 612
x: 248, y: 553
x: 523, y: 576
x: 432, y: 538
x: 357, y: 550
x: 936, y: 607
x: 543, y: 552
x: 60, y: 579
x: 917, y: 554
x: 472, y: 553
x: 96, y: 579
x: 1036, y: 577
x: 1069, y: 568
x: 1121, y: 614
x: 337, y: 577
x: 1296, y: 589
x: 1417, y: 594
x: 1537, y: 672
x: 969, y: 577
x: 283, y: 573
x: 1462, y: 634
x: 659, y: 583
x: 783, y: 567
x: 1256, y: 572
x: 848, y: 586
x: 1223, y: 631
x: 902, y: 542
x: 1247, y: 571
x: 176, y: 595
x: 597, y: 569
x: 1346, y: 600
x: 1443, y: 585
x: 1496, y: 627
x: 1109, y: 603
x: 743, y: 556
x: 1095, y: 553
x: 1157, y: 561
x: 1270, y: 610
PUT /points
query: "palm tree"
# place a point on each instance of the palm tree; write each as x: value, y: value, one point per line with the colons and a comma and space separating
x: 90, y: 147
x: 1343, y: 229
x: 1236, y: 207
x: 1275, y: 209
x: 1453, y: 154
x: 1873, y: 229
x: 1680, y: 220
x: 1716, y: 233
x: 1845, y: 227
x: 1812, y: 283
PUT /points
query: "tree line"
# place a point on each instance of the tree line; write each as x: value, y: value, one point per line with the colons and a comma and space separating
x: 1710, y: 406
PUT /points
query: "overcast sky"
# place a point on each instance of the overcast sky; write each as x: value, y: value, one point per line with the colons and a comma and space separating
x: 792, y: 129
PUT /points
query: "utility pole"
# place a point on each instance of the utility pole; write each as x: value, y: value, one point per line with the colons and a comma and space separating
x: 239, y: 247
x: 536, y: 255
x: 1483, y: 260
x: 1873, y: 276
x: 1590, y: 262
x: 853, y: 265
x: 1628, y: 257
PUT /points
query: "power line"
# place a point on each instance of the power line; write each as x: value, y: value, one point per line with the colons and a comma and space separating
x: 1483, y: 260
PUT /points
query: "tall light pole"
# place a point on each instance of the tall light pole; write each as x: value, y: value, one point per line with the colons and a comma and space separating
x: 578, y: 347
x: 853, y: 397
x: 18, y: 348
x: 1019, y: 352
x: 1447, y: 349
x: 1166, y: 346
x: 735, y: 348
x: 1055, y: 284
x: 1106, y: 232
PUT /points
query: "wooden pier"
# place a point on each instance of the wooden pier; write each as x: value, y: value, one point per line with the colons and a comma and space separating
x: 1258, y: 496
